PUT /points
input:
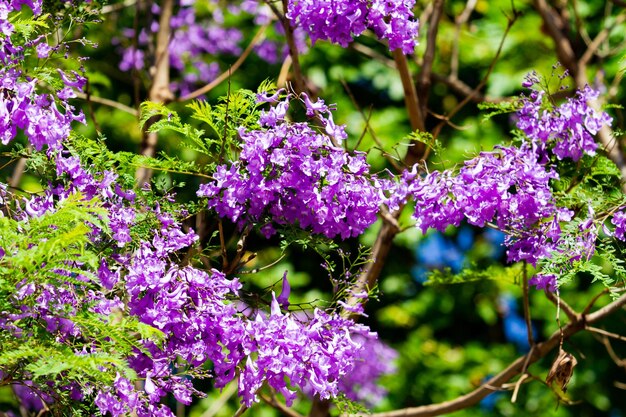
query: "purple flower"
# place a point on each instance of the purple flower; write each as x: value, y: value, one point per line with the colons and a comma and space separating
x: 291, y: 174
x: 566, y: 130
x: 544, y: 282
x: 338, y: 21
x: 619, y: 220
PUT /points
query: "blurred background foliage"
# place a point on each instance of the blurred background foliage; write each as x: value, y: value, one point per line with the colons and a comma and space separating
x: 450, y: 336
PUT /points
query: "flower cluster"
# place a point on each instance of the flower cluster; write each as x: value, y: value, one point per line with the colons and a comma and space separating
x: 506, y: 187
x: 290, y: 173
x: 21, y: 106
x: 619, y: 221
x: 338, y: 21
x: 197, y: 41
x: 509, y: 188
x: 316, y: 353
x: 566, y: 130
x: 376, y: 359
x: 190, y: 307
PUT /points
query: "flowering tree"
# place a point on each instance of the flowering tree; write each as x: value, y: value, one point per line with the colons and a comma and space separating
x: 135, y: 283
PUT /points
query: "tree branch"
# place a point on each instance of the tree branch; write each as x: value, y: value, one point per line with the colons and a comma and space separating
x: 555, y: 27
x: 511, y: 21
x: 569, y: 311
x: 577, y: 68
x: 258, y: 37
x: 298, y: 79
x: 540, y: 350
x: 160, y: 89
x: 110, y: 103
x: 592, y: 48
x: 429, y: 55
x: 284, y: 410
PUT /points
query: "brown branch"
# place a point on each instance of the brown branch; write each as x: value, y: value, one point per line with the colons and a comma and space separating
x: 240, y: 411
x: 411, y: 101
x: 577, y: 69
x: 461, y: 88
x: 592, y: 48
x: 458, y: 22
x: 258, y: 37
x: 569, y: 311
x: 320, y: 408
x: 556, y: 28
x: 372, y: 53
x: 283, y: 74
x: 18, y: 172
x: 429, y: 56
x: 594, y: 299
x: 510, y: 22
x: 605, y: 333
x: 609, y: 349
x: 298, y: 79
x: 494, y: 383
x: 160, y: 89
x: 282, y: 408
x: 110, y: 103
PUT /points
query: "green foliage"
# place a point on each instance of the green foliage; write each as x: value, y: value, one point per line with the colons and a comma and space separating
x: 61, y: 258
x: 427, y: 139
x: 348, y: 406
x: 28, y: 28
x: 238, y: 110
x: 495, y: 109
x: 494, y: 272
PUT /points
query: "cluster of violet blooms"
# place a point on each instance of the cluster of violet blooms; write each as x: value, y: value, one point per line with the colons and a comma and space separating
x: 338, y: 21
x: 44, y: 118
x: 195, y: 309
x: 195, y: 42
x: 292, y: 173
x: 509, y: 188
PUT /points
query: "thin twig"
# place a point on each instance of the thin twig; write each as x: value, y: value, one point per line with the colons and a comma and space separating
x: 284, y: 410
x: 429, y: 56
x: 600, y: 37
x: 510, y: 22
x: 110, y: 103
x: 283, y: 74
x: 258, y: 37
x: 458, y: 22
x: 461, y: 88
x: 222, y: 246
x: 605, y: 333
x: 526, y: 302
x: 520, y: 381
x: 217, y: 405
x: 373, y: 54
x: 18, y: 172
x: 110, y: 8
x: 594, y: 299
x: 529, y: 330
x: 569, y: 311
x: 160, y: 89
x: 298, y: 78
x: 609, y: 348
x: 368, y: 126
x: 541, y: 350
x: 241, y: 410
